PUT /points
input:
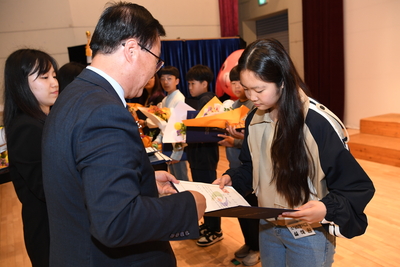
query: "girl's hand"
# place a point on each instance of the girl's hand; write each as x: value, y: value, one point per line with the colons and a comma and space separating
x: 224, y: 180
x: 311, y: 212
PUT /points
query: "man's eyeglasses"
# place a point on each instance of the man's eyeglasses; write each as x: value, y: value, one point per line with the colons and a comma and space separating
x: 160, y: 62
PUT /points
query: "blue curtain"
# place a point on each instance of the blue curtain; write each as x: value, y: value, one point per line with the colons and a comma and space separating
x: 184, y: 54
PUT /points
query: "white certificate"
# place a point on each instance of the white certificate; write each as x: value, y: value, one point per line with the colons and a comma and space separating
x: 216, y: 198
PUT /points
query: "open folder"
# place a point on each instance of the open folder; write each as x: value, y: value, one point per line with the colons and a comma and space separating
x: 227, y: 202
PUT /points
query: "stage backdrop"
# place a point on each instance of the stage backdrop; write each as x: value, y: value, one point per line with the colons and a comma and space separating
x: 184, y: 54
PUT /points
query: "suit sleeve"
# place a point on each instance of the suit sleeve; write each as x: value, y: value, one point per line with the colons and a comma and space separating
x: 119, y: 185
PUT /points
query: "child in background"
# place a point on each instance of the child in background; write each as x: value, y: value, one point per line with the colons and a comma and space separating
x: 169, y: 77
x: 203, y: 157
x: 250, y: 250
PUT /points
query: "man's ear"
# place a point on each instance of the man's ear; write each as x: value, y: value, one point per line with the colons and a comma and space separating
x: 131, y: 50
x: 176, y: 81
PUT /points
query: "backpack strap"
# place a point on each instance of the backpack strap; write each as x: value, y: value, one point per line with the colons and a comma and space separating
x: 336, y: 123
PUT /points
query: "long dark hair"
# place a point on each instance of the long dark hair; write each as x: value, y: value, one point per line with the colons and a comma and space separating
x: 67, y: 73
x: 121, y: 21
x: 155, y: 92
x: 292, y: 164
x: 18, y: 97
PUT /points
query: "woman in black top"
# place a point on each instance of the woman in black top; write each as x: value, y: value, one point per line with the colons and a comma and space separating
x: 31, y: 88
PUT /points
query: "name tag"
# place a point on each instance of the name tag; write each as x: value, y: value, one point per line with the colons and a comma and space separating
x: 300, y: 229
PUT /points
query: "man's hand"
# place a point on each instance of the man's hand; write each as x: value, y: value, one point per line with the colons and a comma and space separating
x: 311, y: 212
x: 163, y: 180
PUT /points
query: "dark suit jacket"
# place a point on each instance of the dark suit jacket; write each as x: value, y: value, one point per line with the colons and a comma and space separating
x: 102, y: 198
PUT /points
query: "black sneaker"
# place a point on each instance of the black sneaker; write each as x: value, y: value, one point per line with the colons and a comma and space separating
x: 203, y: 229
x: 210, y: 238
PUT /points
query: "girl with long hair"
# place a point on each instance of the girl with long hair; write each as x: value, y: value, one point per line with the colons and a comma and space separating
x: 31, y: 88
x: 293, y: 158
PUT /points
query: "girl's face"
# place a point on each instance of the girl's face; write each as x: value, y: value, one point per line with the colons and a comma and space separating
x: 150, y: 83
x: 45, y: 88
x: 264, y: 95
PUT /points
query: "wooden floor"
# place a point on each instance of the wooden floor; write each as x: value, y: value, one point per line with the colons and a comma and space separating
x: 378, y: 247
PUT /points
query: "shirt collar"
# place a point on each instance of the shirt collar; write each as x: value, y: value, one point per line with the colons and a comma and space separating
x: 261, y: 116
x: 118, y: 89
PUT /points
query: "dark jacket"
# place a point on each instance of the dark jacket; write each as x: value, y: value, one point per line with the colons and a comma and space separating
x: 24, y: 141
x: 103, y: 202
x: 203, y: 156
x: 348, y: 187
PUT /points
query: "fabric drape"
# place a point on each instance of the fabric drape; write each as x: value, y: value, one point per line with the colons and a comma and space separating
x: 184, y: 54
x: 324, y: 52
x: 229, y: 17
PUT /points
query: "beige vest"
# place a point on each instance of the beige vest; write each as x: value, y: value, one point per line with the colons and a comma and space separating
x: 261, y: 133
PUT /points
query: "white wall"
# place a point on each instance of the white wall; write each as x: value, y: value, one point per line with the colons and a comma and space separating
x: 52, y: 26
x: 372, y: 38
x: 372, y: 59
x: 250, y: 11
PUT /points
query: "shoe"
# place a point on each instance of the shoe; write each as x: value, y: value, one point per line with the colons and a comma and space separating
x: 252, y: 258
x: 242, y: 252
x: 209, y: 238
x: 203, y: 229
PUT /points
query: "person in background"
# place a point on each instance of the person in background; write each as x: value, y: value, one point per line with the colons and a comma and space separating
x: 293, y: 158
x: 169, y: 77
x: 152, y: 96
x: 250, y: 250
x: 67, y: 73
x: 102, y: 192
x: 30, y: 89
x: 203, y: 157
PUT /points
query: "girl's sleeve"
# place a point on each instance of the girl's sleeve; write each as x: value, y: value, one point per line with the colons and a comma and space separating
x: 350, y: 188
x: 242, y: 177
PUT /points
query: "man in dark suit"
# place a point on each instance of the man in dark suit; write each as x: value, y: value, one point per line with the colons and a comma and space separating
x: 101, y: 190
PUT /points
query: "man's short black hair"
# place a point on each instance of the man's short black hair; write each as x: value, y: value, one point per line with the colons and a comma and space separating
x: 170, y: 70
x: 121, y: 21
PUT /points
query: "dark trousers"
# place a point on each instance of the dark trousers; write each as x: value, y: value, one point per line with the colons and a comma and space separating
x: 36, y: 231
x: 207, y: 176
x: 250, y: 227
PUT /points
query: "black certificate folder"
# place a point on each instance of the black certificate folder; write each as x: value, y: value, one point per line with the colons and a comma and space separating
x: 247, y: 212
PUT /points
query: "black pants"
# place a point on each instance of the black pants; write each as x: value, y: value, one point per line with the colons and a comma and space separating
x: 250, y: 227
x: 36, y: 231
